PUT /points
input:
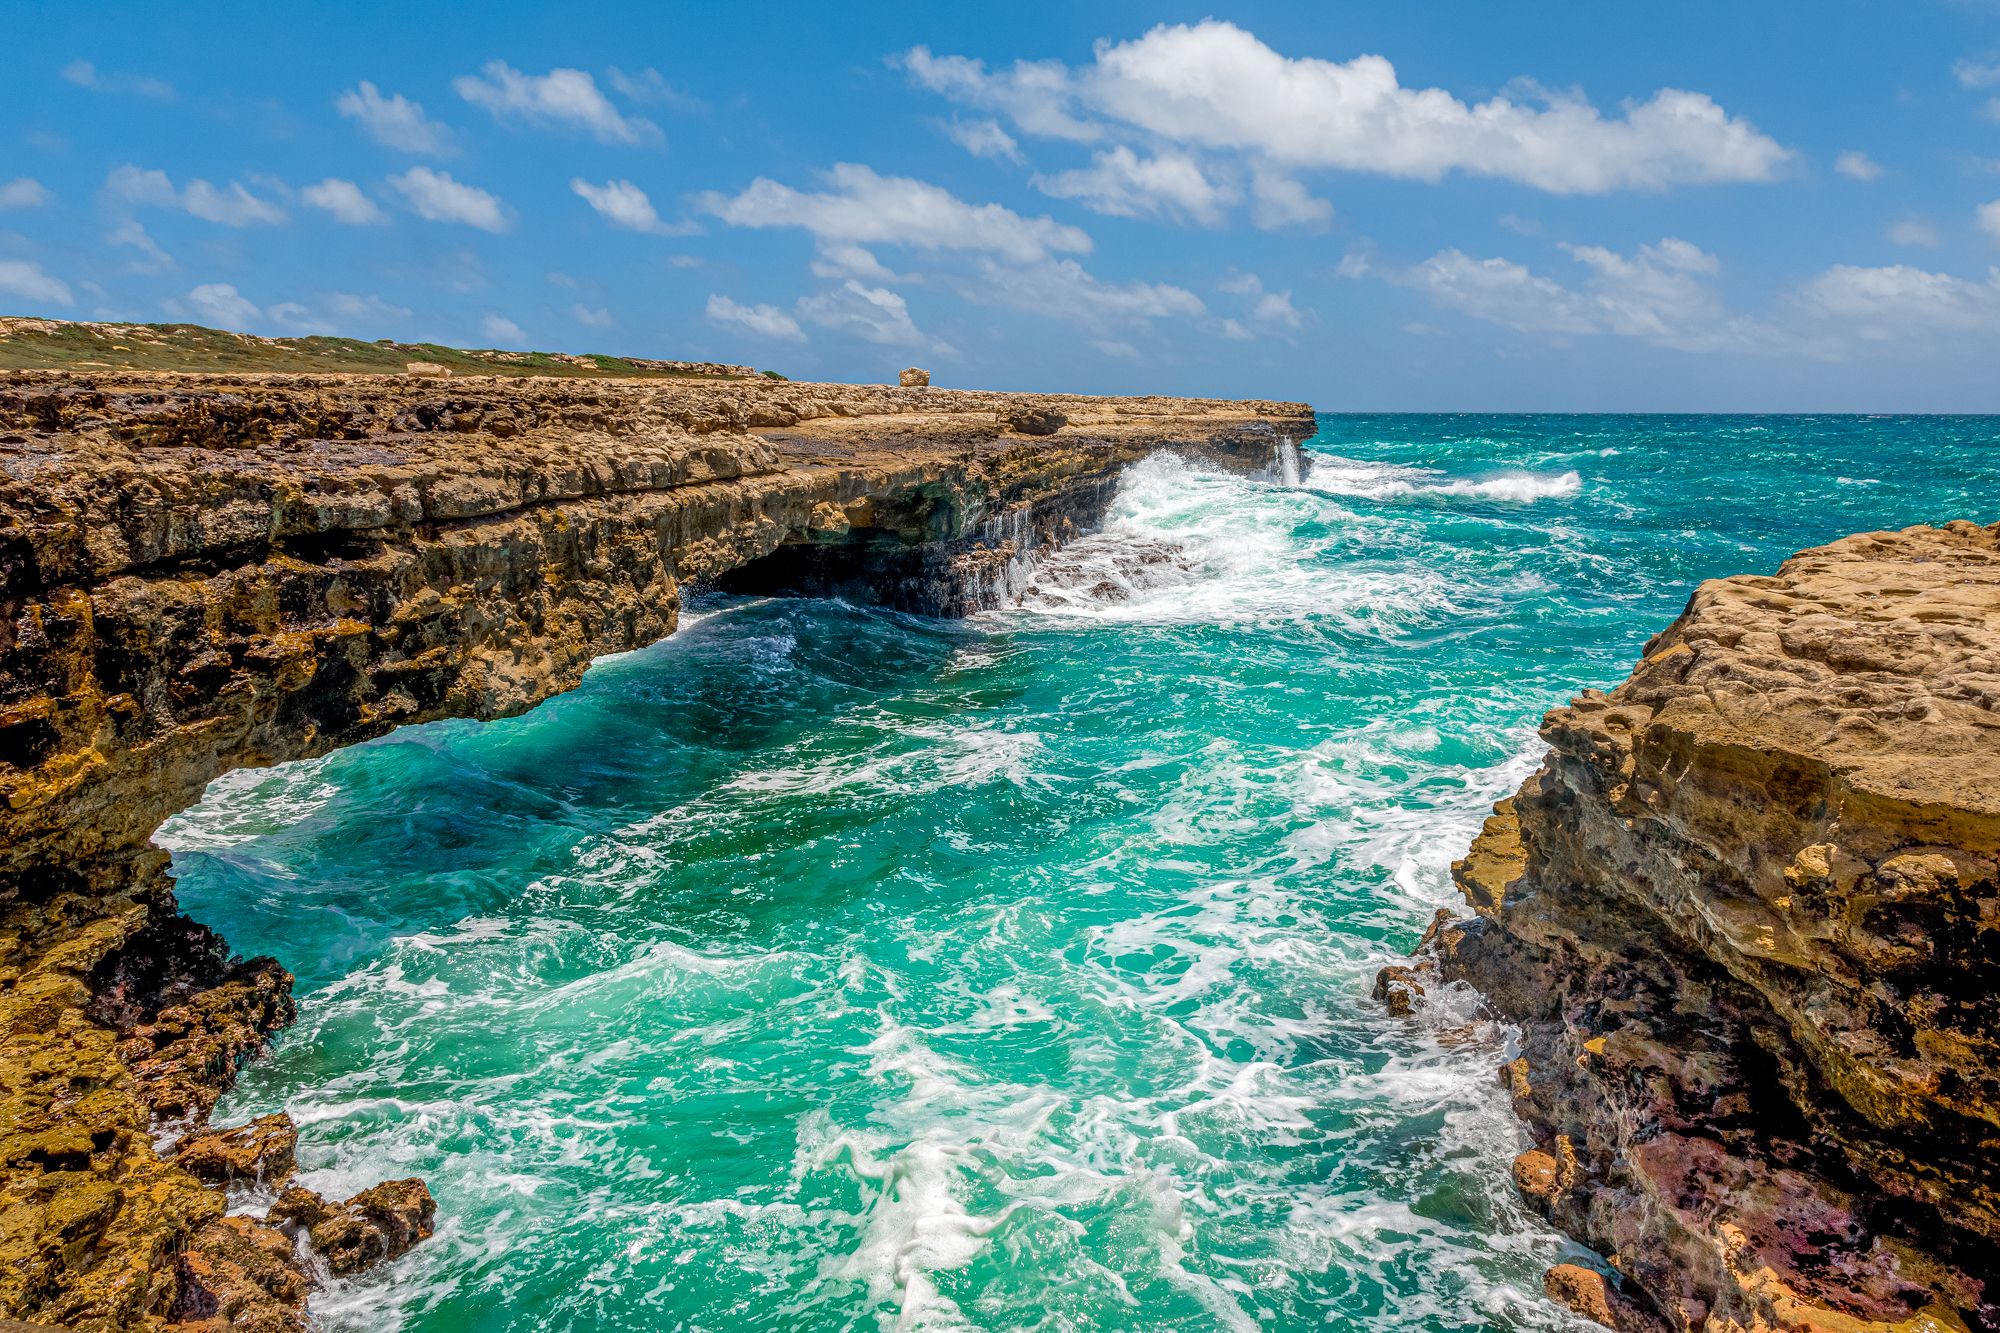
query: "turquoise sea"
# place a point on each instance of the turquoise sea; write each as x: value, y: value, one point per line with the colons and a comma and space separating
x: 825, y: 968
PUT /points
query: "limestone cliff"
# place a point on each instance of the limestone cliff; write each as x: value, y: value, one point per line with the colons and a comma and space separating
x: 200, y: 573
x: 1747, y: 917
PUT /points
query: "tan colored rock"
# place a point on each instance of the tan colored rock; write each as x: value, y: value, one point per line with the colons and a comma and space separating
x: 262, y: 1152
x: 1747, y: 917
x: 429, y: 369
x: 914, y: 378
x: 1036, y: 421
x: 1399, y: 989
x: 1588, y: 1293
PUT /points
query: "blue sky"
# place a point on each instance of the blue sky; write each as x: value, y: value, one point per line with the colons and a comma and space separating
x: 1407, y: 205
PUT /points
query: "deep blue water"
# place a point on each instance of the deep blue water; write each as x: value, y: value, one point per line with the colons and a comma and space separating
x: 823, y: 968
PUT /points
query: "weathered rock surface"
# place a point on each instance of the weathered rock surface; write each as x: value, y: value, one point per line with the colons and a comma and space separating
x: 382, y: 1222
x: 1748, y: 919
x: 200, y: 573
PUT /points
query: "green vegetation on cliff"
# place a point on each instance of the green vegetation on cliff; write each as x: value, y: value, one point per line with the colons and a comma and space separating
x: 51, y: 344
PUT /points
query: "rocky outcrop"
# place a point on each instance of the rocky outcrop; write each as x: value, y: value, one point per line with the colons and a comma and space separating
x: 200, y: 573
x: 1747, y: 918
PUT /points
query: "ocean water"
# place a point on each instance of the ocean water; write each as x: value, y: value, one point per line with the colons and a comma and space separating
x: 826, y: 968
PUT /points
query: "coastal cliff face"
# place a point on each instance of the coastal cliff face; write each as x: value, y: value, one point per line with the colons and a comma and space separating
x: 202, y: 573
x: 1747, y: 917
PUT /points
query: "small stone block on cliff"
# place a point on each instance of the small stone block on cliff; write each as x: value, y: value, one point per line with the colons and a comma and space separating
x: 914, y: 378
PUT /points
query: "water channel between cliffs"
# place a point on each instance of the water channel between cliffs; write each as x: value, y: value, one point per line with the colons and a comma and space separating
x: 824, y: 967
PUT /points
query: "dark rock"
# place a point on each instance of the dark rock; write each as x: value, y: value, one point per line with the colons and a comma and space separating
x: 378, y: 1224
x: 1036, y: 421
x: 262, y: 1152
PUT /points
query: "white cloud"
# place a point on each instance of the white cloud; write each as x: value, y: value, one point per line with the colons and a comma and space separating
x: 502, y: 330
x: 850, y: 261
x: 624, y: 204
x: 1858, y: 166
x: 131, y: 234
x: 1276, y: 200
x: 984, y: 138
x: 1989, y: 219
x: 395, y: 120
x: 1062, y: 292
x: 875, y: 314
x: 1214, y: 86
x: 1900, y: 304
x: 86, y: 75
x: 1976, y: 74
x: 219, y: 303
x: 766, y: 321
x: 1658, y: 294
x: 649, y: 86
x: 1914, y: 232
x: 1122, y: 183
x: 344, y: 200
x: 866, y: 208
x: 599, y: 318
x: 436, y: 196
x: 232, y: 204
x: 19, y: 277
x: 337, y: 312
x: 23, y: 192
x: 565, y: 98
x: 1268, y: 311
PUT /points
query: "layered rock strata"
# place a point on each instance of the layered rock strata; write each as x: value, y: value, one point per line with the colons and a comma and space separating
x: 1747, y: 917
x: 201, y: 573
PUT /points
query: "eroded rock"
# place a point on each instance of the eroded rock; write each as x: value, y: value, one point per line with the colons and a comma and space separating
x: 1748, y: 920
x: 262, y: 1152
x: 376, y: 1225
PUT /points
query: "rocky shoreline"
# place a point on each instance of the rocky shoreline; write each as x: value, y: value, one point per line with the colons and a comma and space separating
x: 1747, y: 920
x: 199, y: 573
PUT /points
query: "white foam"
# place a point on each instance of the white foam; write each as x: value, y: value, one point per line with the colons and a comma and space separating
x: 1390, y: 481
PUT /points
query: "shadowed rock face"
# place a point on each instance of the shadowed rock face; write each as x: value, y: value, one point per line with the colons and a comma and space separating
x: 1747, y: 917
x: 202, y: 573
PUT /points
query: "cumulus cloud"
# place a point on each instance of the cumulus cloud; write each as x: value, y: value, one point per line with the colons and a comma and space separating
x: 219, y: 303
x: 869, y: 209
x: 624, y: 204
x: 1063, y: 292
x: 563, y: 98
x: 1122, y: 183
x: 1659, y: 293
x: 394, y: 120
x: 436, y: 196
x: 984, y: 138
x: 874, y: 314
x: 1857, y: 166
x: 502, y: 330
x: 26, y: 280
x: 1913, y: 232
x: 864, y: 208
x: 766, y: 321
x: 132, y: 235
x: 1214, y: 86
x: 1900, y: 304
x: 86, y: 75
x: 231, y: 204
x: 23, y: 192
x: 1265, y: 311
x: 343, y: 199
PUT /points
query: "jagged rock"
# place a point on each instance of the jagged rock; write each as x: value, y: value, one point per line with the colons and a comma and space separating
x: 1398, y: 988
x: 204, y: 572
x: 1036, y: 421
x: 1747, y: 917
x: 1589, y: 1293
x: 376, y: 1225
x: 262, y: 1152
x: 914, y: 378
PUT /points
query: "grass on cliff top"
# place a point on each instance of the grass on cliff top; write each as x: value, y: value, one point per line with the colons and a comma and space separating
x: 47, y: 344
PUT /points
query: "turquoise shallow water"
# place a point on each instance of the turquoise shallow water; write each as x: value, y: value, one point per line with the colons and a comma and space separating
x: 823, y: 968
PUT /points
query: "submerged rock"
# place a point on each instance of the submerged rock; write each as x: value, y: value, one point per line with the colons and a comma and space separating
x: 1747, y: 917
